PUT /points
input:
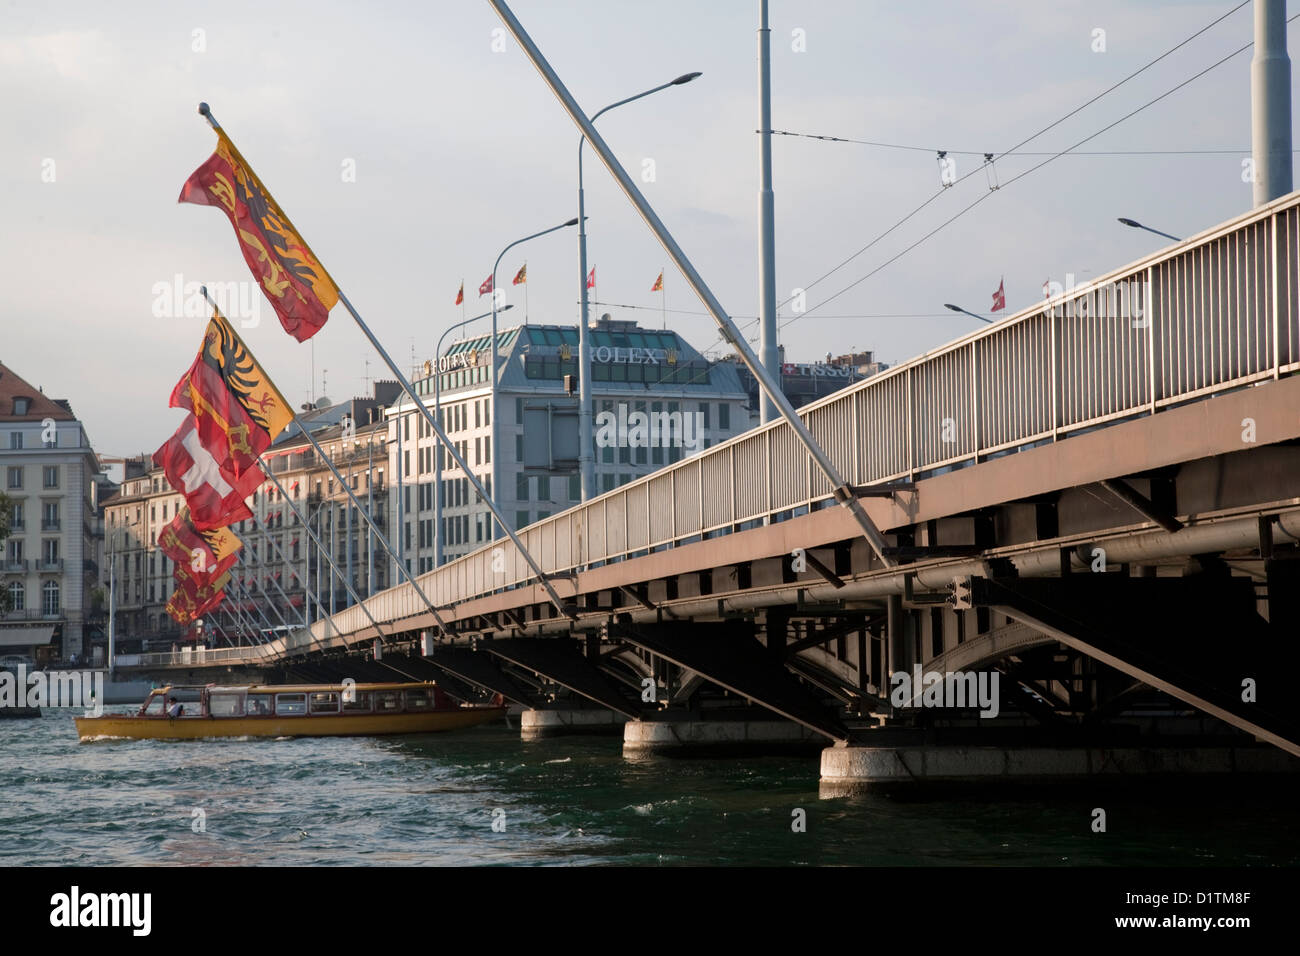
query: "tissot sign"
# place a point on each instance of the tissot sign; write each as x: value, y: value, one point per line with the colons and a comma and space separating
x: 817, y: 369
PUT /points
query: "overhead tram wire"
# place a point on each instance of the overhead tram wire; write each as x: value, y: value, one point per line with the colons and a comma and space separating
x: 974, y: 152
x: 1026, y: 140
x: 1025, y: 173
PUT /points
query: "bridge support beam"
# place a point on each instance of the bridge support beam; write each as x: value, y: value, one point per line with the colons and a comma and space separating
x: 728, y: 654
x: 1198, y: 639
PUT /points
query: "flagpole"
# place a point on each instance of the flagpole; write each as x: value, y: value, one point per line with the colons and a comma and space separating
x: 383, y: 539
x: 545, y: 583
x: 321, y: 549
x: 843, y: 492
x: 525, y: 292
x: 663, y: 299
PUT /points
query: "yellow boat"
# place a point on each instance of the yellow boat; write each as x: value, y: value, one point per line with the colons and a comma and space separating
x: 295, y: 710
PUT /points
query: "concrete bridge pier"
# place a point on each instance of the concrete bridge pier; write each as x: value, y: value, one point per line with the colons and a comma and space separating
x: 855, y: 768
x: 716, y: 733
x: 539, y: 723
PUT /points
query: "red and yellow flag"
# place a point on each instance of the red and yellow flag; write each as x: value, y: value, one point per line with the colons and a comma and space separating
x: 202, y: 473
x: 293, y: 281
x: 522, y: 275
x: 460, y: 296
x: 232, y: 398
x: 659, y: 284
x: 207, y: 554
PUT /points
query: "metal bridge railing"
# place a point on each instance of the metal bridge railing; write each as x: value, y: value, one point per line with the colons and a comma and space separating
x: 1215, y: 312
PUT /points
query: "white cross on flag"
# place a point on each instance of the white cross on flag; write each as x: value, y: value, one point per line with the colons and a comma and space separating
x: 1000, y: 297
x: 205, y: 477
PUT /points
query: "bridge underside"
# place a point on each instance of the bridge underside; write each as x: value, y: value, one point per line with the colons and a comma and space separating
x: 1132, y: 581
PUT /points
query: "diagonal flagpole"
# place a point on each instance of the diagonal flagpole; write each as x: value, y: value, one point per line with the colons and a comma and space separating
x: 383, y: 539
x: 844, y: 492
x: 567, y: 610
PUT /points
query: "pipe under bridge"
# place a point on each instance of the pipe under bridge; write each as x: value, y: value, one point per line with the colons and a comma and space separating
x: 1099, y: 497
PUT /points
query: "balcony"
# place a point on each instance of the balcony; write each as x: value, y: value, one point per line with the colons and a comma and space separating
x: 51, y: 525
x: 13, y: 566
x: 49, y: 564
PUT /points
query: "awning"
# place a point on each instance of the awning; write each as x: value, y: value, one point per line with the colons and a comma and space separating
x: 24, y: 636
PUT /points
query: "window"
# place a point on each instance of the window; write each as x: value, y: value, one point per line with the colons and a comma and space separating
x: 15, y: 476
x: 724, y: 416
x: 521, y: 520
x: 575, y: 487
x: 325, y: 702
x: 21, y: 405
x: 521, y: 487
x: 258, y: 705
x: 17, y: 520
x: 226, y: 705
x: 15, y: 439
x: 290, y: 704
x: 17, y: 596
x: 388, y: 700
x: 487, y: 449
x: 419, y: 700
x: 50, y: 551
x: 358, y: 701
x: 607, y: 482
x: 50, y: 598
x: 543, y: 488
x: 50, y: 516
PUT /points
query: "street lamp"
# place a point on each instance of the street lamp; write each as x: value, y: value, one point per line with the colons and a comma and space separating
x: 957, y: 308
x: 496, y: 445
x: 437, y: 414
x: 1137, y: 225
x: 586, y: 452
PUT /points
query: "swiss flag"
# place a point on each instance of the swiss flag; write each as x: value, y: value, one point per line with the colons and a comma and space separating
x: 591, y: 279
x: 999, y: 297
x: 205, y: 477
x: 486, y: 287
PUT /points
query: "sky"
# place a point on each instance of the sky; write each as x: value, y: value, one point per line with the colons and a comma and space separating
x: 411, y: 142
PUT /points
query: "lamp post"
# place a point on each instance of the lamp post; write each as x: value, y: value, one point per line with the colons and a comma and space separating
x: 586, y: 452
x: 437, y: 414
x: 957, y: 308
x: 1137, y: 225
x: 492, y: 371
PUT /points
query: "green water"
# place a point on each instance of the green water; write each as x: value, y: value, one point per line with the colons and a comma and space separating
x: 433, y: 800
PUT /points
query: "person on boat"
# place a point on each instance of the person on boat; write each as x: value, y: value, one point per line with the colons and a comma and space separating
x: 174, y: 707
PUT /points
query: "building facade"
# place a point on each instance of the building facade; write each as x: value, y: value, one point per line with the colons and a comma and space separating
x: 282, y: 579
x: 635, y: 372
x: 50, y: 480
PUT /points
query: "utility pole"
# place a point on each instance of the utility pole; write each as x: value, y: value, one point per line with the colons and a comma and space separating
x: 768, y: 354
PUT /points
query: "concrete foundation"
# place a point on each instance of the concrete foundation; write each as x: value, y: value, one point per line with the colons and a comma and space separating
x: 849, y: 769
x: 716, y: 736
x: 536, y: 724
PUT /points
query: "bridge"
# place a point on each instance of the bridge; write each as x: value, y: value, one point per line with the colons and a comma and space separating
x: 1098, y: 498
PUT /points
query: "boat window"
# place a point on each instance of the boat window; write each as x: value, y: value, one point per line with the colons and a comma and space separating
x: 418, y: 700
x: 388, y: 700
x: 290, y: 704
x: 359, y: 704
x: 325, y: 702
x: 259, y: 705
x: 226, y: 705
